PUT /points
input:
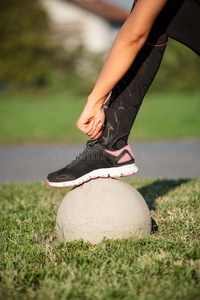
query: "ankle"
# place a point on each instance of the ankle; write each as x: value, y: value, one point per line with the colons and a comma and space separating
x: 114, y: 146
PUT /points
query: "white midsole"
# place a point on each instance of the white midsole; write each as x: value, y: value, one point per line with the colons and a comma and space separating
x: 115, y: 172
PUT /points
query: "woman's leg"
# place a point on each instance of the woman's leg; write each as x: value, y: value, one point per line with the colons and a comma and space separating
x: 98, y: 159
x: 185, y: 27
x: 179, y: 20
x: 128, y: 94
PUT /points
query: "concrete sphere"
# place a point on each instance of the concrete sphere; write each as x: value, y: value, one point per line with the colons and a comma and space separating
x: 102, y: 208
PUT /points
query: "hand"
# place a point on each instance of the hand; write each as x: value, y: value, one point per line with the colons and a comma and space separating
x: 91, y: 121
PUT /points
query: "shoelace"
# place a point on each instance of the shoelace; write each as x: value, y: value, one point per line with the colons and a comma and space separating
x: 89, y: 144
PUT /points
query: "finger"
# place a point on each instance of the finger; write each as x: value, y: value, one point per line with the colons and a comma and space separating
x: 94, y: 128
x: 97, y: 132
x: 85, y: 128
x: 98, y: 135
x: 89, y: 128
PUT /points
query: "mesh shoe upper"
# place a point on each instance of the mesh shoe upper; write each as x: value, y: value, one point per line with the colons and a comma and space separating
x: 94, y: 157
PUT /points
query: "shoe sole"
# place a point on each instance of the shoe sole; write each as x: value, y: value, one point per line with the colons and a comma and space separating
x: 115, y: 172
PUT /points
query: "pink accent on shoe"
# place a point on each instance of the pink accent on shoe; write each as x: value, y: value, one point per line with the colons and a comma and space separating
x: 118, y: 152
x: 58, y: 187
x: 124, y: 158
x: 86, y: 180
x: 51, y: 185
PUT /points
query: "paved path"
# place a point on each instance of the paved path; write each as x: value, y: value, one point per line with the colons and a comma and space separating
x: 159, y: 159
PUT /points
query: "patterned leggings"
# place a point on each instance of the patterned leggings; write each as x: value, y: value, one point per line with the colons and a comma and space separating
x: 179, y: 20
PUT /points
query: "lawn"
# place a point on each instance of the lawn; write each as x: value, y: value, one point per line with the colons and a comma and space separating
x: 50, y: 117
x: 165, y: 265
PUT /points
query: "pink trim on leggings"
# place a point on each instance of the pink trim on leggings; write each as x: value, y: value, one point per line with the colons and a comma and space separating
x: 156, y: 45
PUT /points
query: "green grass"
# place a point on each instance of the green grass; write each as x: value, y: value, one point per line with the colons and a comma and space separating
x: 165, y: 265
x: 51, y: 117
x: 168, y: 116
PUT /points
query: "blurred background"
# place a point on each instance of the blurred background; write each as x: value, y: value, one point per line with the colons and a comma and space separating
x: 50, y: 56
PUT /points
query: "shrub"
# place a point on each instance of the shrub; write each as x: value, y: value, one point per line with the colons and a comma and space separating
x: 27, y: 55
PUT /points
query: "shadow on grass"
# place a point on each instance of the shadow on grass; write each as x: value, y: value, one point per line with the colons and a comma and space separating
x: 157, y: 189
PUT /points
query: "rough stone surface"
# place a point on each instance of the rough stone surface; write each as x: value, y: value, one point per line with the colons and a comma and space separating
x: 102, y: 208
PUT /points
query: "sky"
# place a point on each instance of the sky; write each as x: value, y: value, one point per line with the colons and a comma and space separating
x: 123, y: 3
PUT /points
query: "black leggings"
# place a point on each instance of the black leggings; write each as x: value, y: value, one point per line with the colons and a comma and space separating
x: 179, y: 20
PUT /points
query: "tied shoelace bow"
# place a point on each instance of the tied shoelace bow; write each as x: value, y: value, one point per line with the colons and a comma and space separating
x: 89, y: 144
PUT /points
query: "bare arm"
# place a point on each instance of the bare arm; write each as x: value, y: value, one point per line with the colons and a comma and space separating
x: 125, y: 48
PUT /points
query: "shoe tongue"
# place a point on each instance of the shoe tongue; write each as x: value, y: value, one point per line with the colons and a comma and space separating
x: 89, y: 144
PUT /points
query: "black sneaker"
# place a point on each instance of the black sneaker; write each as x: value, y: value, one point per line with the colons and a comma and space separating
x: 94, y: 162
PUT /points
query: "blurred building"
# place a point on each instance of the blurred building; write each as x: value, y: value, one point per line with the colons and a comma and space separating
x: 88, y: 24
